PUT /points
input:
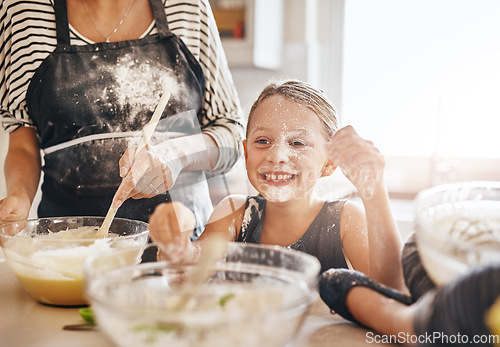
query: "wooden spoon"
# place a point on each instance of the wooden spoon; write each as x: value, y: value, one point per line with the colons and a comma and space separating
x: 147, y: 133
x: 212, y: 251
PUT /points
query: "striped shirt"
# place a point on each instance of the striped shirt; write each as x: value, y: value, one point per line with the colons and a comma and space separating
x: 28, y: 36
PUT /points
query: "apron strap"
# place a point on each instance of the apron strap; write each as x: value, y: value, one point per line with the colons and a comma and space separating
x: 62, y: 27
x: 160, y: 18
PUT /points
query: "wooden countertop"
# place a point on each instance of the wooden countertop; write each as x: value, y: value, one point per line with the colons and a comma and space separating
x: 25, y: 322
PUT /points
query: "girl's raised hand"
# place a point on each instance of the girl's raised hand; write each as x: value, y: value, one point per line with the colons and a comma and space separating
x: 360, y: 161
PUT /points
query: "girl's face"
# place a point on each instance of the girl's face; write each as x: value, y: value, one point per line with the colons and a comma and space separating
x: 285, y: 151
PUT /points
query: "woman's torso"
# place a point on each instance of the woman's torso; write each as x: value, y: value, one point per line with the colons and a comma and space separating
x: 109, y: 90
x: 28, y: 36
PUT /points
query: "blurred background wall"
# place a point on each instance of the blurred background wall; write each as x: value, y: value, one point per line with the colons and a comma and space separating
x: 420, y: 78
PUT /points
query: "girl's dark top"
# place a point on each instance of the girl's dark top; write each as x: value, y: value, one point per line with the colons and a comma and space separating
x: 322, y: 238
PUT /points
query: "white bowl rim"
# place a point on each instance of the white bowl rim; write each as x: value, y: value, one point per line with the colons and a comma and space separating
x: 311, y: 276
x: 63, y: 218
x: 425, y: 193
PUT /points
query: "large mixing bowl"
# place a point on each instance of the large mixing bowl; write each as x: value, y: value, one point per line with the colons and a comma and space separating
x: 255, y: 296
x: 457, y: 228
x: 47, y: 254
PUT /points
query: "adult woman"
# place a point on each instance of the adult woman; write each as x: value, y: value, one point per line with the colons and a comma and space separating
x: 80, y: 79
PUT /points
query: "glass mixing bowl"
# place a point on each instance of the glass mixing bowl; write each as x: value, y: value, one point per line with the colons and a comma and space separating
x: 457, y: 228
x: 256, y: 295
x: 47, y: 254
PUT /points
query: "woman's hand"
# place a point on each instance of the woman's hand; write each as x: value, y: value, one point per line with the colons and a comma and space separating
x: 14, y: 209
x: 154, y: 169
x: 22, y: 174
x: 360, y: 161
x: 149, y: 172
x: 170, y: 227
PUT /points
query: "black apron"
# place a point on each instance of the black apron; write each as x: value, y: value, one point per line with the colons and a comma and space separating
x: 89, y: 103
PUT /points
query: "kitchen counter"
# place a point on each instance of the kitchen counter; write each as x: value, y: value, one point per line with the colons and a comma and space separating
x: 25, y: 322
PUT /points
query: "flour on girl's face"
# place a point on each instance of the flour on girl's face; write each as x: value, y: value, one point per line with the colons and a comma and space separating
x: 285, y: 149
x: 281, y: 147
x: 277, y: 194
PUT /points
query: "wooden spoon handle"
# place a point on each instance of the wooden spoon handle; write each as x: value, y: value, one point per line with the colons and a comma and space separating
x: 104, y: 228
x: 212, y: 251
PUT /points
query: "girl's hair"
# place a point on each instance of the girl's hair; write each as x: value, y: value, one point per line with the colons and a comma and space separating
x: 304, y: 94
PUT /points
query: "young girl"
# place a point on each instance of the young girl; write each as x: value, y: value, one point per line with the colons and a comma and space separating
x: 291, y: 142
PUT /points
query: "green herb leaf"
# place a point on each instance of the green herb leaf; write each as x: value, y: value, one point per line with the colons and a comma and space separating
x: 87, y: 314
x: 225, y: 298
x: 151, y: 331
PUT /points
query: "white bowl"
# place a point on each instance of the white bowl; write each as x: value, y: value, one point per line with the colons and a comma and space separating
x: 257, y: 296
x: 457, y: 228
x: 47, y: 254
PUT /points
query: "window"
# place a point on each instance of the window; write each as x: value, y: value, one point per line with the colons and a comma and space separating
x: 421, y: 78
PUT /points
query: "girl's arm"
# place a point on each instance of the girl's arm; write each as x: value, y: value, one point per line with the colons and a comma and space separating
x: 371, y: 240
x: 384, y: 240
x: 22, y: 174
x: 226, y: 218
